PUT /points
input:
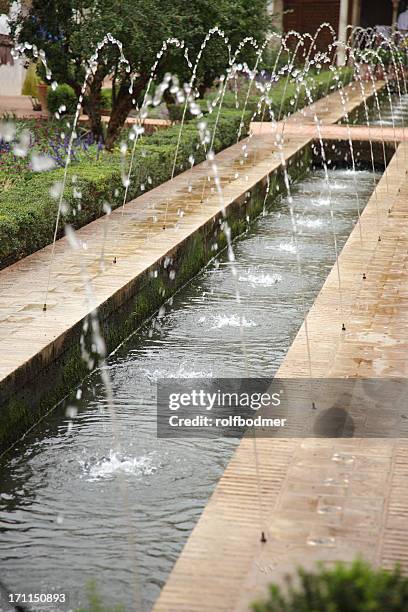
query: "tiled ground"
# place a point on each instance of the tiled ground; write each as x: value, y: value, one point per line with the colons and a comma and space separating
x: 320, y: 499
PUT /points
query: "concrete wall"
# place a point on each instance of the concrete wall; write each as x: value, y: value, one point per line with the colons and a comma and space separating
x: 12, y: 78
x: 11, y: 75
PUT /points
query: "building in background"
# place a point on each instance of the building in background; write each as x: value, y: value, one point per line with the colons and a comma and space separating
x: 299, y: 15
x: 12, y: 71
x: 306, y: 15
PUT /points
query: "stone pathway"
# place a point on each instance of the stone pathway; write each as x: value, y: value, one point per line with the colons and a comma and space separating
x: 20, y: 107
x: 321, y: 499
x: 334, y: 132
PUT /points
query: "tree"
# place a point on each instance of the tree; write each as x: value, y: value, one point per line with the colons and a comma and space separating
x: 69, y: 30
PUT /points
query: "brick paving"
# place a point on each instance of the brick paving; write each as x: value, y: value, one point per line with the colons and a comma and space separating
x: 333, y: 132
x: 19, y: 107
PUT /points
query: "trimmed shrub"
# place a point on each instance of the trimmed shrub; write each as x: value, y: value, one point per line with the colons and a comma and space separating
x: 343, y: 588
x: 285, y: 97
x: 176, y: 112
x: 28, y: 212
x: 62, y: 96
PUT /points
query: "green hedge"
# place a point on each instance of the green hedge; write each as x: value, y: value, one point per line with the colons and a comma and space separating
x: 63, y: 95
x: 342, y: 588
x: 28, y: 212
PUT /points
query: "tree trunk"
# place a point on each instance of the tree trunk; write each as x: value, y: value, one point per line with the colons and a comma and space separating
x: 93, y: 110
x: 202, y: 88
x: 92, y: 101
x: 169, y: 98
x: 117, y: 119
x: 120, y: 111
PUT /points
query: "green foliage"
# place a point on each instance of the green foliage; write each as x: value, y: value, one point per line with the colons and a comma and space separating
x: 69, y: 30
x: 176, y: 112
x: 391, y: 59
x: 343, y: 588
x: 63, y: 95
x: 28, y: 211
x: 31, y: 82
x: 106, y: 99
x: 274, y: 57
x: 95, y: 603
x: 285, y: 97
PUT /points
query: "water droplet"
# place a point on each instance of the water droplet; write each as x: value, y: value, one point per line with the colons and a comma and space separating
x: 7, y: 130
x: 42, y: 163
x: 56, y: 189
x: 71, y: 412
x: 322, y: 541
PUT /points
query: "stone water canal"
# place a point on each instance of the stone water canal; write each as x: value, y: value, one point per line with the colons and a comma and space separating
x: 63, y: 519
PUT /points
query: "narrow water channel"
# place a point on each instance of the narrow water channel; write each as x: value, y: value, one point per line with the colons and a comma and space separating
x: 63, y: 519
x: 392, y: 112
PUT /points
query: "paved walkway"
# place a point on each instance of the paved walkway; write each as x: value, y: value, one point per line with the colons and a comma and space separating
x: 333, y: 132
x: 21, y: 108
x: 321, y: 499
